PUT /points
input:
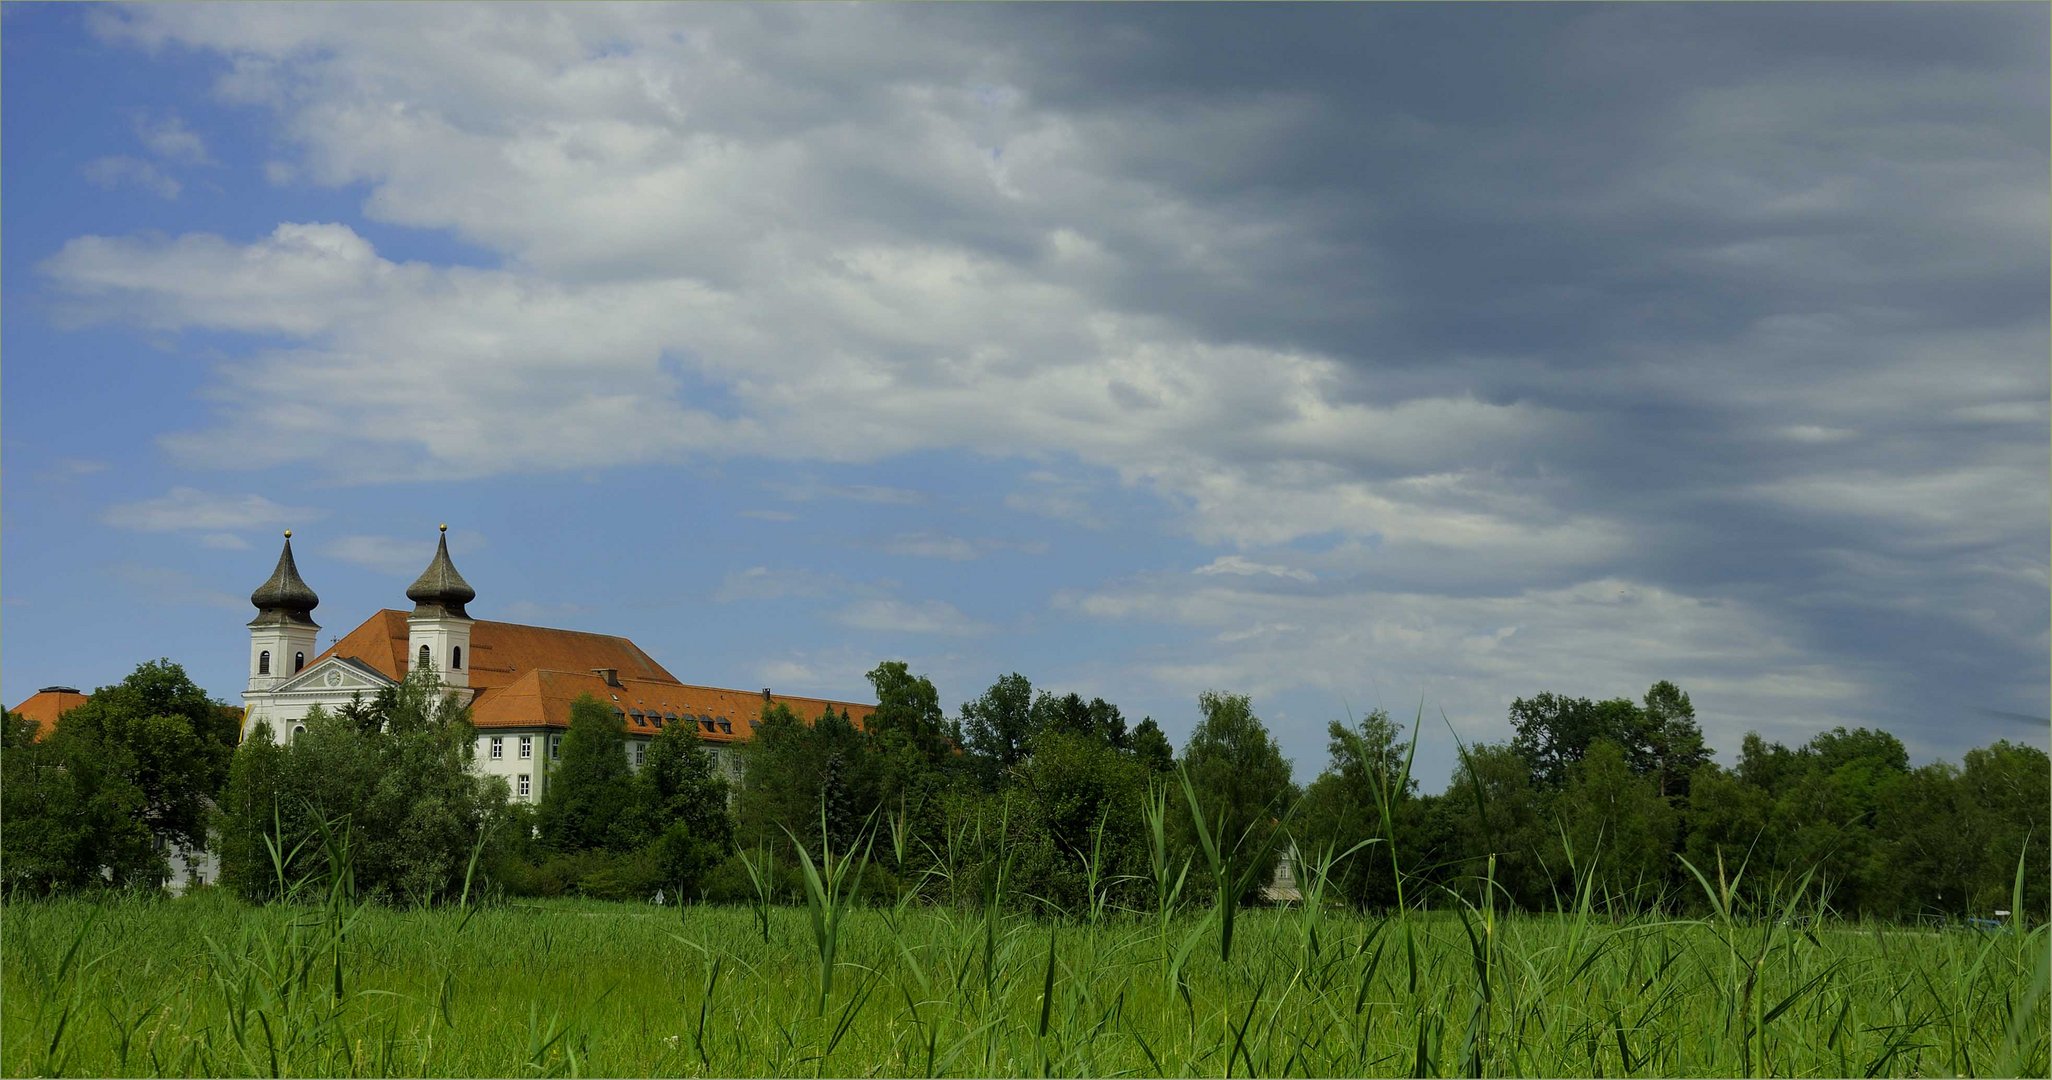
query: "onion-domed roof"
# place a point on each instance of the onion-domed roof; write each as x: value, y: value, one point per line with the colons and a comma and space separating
x: 284, y: 597
x: 440, y: 587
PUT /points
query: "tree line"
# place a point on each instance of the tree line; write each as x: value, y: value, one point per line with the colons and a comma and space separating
x: 1059, y: 796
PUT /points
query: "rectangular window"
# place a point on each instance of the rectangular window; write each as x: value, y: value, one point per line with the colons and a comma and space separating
x: 638, y: 750
x: 555, y: 747
x: 526, y: 747
x: 526, y: 786
x: 498, y: 747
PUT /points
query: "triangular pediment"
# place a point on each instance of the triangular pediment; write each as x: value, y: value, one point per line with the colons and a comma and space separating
x: 335, y: 674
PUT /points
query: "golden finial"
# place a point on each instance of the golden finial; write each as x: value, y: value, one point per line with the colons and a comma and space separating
x: 288, y: 534
x: 445, y: 526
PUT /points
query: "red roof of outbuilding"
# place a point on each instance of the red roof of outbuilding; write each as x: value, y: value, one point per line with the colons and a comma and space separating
x: 45, y: 706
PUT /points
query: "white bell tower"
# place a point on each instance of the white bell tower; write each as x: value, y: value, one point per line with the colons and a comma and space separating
x: 439, y: 628
x: 281, y: 637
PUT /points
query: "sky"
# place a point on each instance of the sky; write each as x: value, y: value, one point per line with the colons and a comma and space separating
x: 1411, y: 357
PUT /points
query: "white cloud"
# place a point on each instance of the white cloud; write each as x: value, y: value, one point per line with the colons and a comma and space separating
x: 117, y: 170
x: 863, y: 493
x: 224, y: 542
x: 1243, y: 567
x: 1470, y: 655
x: 655, y: 199
x: 764, y: 583
x: 908, y: 617
x: 393, y: 554
x: 937, y: 545
x: 185, y: 508
x: 77, y: 467
x: 173, y: 587
x: 167, y: 137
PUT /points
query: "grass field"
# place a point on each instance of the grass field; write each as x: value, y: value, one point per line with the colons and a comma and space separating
x: 208, y: 986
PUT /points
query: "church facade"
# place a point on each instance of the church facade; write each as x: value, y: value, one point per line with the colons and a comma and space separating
x: 517, y: 680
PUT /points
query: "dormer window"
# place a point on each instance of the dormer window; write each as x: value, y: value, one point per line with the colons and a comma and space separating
x: 456, y: 658
x: 424, y: 657
x: 298, y: 661
x: 264, y: 662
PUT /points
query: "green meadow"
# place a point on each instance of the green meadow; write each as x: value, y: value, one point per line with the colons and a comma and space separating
x: 208, y: 986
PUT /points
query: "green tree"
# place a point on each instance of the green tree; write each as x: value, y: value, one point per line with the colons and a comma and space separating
x: 1071, y: 715
x: 1343, y: 808
x: 1726, y: 833
x: 2008, y: 786
x: 1933, y: 842
x: 908, y: 712
x: 1614, y: 825
x: 1554, y: 731
x: 997, y: 728
x: 1675, y: 740
x: 1151, y: 748
x: 792, y: 773
x: 399, y: 787
x: 158, y: 731
x: 248, y: 809
x: 906, y: 762
x: 1242, y: 783
x: 780, y: 779
x: 67, y: 825
x: 680, y: 809
x: 1770, y: 767
x: 123, y: 777
x: 588, y: 787
x: 1493, y: 808
x: 1082, y: 802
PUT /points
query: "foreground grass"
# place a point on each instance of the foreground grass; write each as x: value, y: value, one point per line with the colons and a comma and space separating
x: 207, y: 986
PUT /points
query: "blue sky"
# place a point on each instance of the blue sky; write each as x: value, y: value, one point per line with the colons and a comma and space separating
x: 1342, y: 356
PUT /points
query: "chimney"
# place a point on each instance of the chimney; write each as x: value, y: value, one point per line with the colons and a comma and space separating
x: 765, y: 693
x: 611, y: 675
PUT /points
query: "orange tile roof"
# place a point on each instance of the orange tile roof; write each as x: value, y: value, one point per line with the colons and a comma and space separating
x: 527, y: 676
x: 45, y: 706
x: 542, y: 698
x: 499, y: 652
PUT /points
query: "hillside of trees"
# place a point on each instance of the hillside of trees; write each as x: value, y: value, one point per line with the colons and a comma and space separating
x: 1059, y: 795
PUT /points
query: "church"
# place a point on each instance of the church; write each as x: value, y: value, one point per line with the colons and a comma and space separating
x: 517, y: 680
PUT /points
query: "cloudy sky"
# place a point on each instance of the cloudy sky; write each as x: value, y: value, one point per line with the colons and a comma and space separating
x: 1349, y: 357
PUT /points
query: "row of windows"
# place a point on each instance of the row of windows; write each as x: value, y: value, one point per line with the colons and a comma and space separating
x: 264, y: 662
x: 705, y: 723
x: 497, y: 747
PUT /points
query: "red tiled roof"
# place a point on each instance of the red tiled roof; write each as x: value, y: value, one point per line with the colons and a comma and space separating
x: 499, y: 652
x: 527, y: 676
x: 542, y: 699
x: 45, y: 706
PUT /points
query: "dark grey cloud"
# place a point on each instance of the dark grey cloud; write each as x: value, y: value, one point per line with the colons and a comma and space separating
x: 1615, y: 211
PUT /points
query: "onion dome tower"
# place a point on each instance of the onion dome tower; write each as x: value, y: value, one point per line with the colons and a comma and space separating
x: 438, y: 631
x: 281, y: 637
